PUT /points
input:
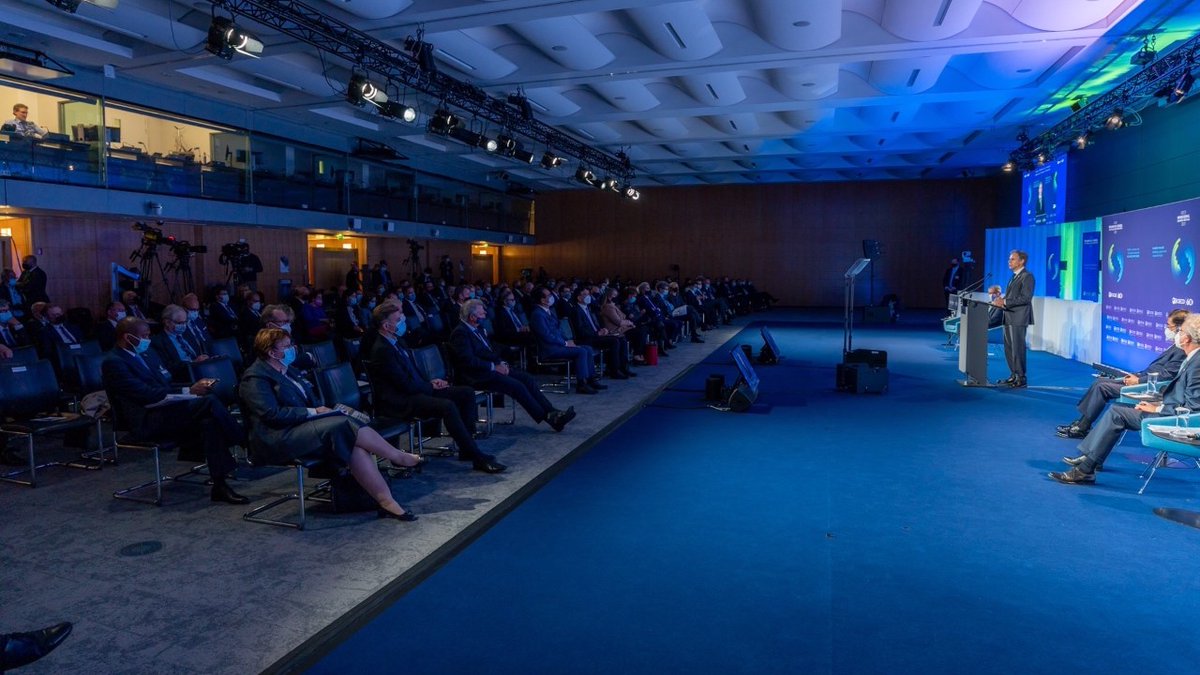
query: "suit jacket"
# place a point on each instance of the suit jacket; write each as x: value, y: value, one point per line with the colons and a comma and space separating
x: 274, y: 406
x: 50, y: 336
x: 611, y: 317
x: 133, y: 383
x: 394, y: 378
x: 474, y: 357
x: 544, y: 325
x: 32, y: 286
x: 414, y: 313
x: 106, y: 334
x: 1018, y: 300
x: 1167, y: 365
x: 585, y: 324
x: 222, y: 320
x: 1184, y: 389
x: 509, y: 322
x: 168, y: 348
x: 20, y: 337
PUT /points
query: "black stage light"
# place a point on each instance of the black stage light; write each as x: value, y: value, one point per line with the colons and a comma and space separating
x: 523, y: 156
x: 361, y: 90
x: 551, y: 160
x: 398, y: 111
x: 225, y: 39
x: 422, y: 53
x: 442, y: 122
x: 521, y: 103
x: 631, y: 193
x: 1115, y: 121
x: 586, y: 177
x: 1008, y: 166
x: 507, y: 145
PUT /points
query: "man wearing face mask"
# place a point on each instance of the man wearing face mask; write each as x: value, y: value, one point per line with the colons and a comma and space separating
x: 1181, y: 391
x: 32, y: 282
x: 478, y: 361
x: 420, y: 332
x: 173, y: 346
x: 588, y: 331
x: 222, y: 318
x: 138, y: 383
x: 401, y: 391
x: 552, y: 344
x: 106, y: 330
x: 197, y: 326
x: 58, y: 331
x: 1104, y: 390
x: 281, y: 317
x: 347, y: 320
x: 12, y: 332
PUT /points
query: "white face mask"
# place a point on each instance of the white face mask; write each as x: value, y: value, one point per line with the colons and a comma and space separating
x: 1169, y: 334
x: 1178, y: 340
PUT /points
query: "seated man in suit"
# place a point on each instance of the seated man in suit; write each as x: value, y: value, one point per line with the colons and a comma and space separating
x: 133, y: 305
x: 416, y: 318
x: 174, y: 345
x: 222, y: 317
x: 995, y: 312
x: 477, y: 361
x: 137, y: 384
x: 106, y: 330
x: 1104, y: 390
x: 1182, y: 391
x: 552, y: 345
x: 401, y: 391
x: 13, y: 333
x: 512, y: 327
x: 589, y: 332
x: 58, y: 331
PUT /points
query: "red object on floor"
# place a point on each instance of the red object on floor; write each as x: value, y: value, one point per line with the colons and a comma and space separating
x: 652, y: 355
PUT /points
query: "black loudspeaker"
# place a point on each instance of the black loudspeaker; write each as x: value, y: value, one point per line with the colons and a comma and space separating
x: 713, y: 386
x: 871, y: 248
x: 749, y: 352
x: 859, y: 378
x: 742, y: 397
x: 874, y: 358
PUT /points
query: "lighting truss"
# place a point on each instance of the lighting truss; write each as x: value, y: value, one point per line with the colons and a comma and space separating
x: 336, y: 38
x: 1165, y: 72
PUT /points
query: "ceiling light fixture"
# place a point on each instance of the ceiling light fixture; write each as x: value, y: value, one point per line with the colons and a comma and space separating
x: 518, y: 101
x: 361, y: 90
x: 443, y: 121
x: 523, y: 156
x: 631, y: 193
x: 551, y: 160
x: 398, y: 111
x: 507, y: 145
x: 585, y: 176
x: 225, y: 39
x: 1115, y: 121
x: 422, y: 52
x: 73, y: 5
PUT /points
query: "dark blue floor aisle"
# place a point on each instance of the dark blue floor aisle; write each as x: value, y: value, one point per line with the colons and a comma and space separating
x: 821, y: 532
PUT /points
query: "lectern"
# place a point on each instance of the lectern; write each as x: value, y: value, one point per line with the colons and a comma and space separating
x: 973, y: 342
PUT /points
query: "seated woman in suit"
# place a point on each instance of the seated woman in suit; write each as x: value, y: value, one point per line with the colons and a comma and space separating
x: 618, y: 323
x: 286, y: 423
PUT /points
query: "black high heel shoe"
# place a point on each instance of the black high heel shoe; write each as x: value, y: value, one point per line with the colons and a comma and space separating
x: 407, y: 516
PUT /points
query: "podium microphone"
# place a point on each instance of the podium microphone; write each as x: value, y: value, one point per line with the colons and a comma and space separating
x: 977, y: 284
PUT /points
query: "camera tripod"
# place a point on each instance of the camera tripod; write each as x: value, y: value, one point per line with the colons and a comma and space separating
x: 146, y: 257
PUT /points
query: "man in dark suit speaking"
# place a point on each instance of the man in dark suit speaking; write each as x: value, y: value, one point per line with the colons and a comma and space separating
x: 138, y: 384
x: 480, y: 364
x: 1017, y: 304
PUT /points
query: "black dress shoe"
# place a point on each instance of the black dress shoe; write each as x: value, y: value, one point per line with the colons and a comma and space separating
x: 488, y: 465
x: 415, y: 468
x: 585, y: 389
x: 1074, y: 476
x: 224, y: 493
x: 24, y: 648
x: 407, y: 516
x: 595, y: 384
x: 1018, y: 383
x: 559, y: 418
x: 1071, y: 431
x: 696, y: 338
x: 618, y: 376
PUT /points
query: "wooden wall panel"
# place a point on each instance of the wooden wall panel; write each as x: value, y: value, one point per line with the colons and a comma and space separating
x: 794, y: 239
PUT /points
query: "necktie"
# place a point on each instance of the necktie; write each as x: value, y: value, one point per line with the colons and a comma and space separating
x: 66, y: 336
x: 185, y: 347
x: 513, y: 315
x: 479, y: 334
x: 417, y: 310
x: 588, y: 316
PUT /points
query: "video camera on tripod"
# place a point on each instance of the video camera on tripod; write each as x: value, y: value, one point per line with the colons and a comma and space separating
x: 232, y: 254
x: 151, y: 237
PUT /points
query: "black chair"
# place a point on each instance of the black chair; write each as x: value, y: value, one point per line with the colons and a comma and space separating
x: 227, y: 347
x: 416, y: 437
x: 24, y: 355
x: 320, y: 493
x: 338, y: 384
x: 432, y: 365
x: 324, y: 354
x: 64, y: 360
x: 30, y: 397
x: 568, y: 332
x: 121, y: 426
x: 90, y: 378
x: 220, y: 369
x: 352, y: 348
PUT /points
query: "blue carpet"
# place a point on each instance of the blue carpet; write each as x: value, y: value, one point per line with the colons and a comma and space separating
x: 821, y: 532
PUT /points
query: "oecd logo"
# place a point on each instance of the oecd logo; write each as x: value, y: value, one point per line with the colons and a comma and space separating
x: 1183, y: 261
x: 1116, y: 263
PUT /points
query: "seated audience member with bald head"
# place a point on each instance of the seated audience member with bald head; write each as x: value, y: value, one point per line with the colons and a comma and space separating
x: 402, y: 392
x: 480, y: 364
x: 287, y: 422
x: 138, y: 385
x: 174, y: 346
x: 1104, y: 390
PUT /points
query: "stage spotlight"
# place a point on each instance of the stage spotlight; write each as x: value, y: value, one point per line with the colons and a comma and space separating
x: 523, y: 156
x: 1115, y: 121
x: 521, y: 103
x: 551, y: 160
x: 398, y: 111
x: 507, y: 145
x: 586, y: 177
x: 361, y: 91
x: 225, y: 38
x: 1008, y: 166
x: 1082, y: 140
x: 73, y: 5
x: 489, y: 144
x: 609, y: 184
x: 443, y: 122
x: 1041, y: 158
x: 1181, y: 88
x: 1146, y: 55
x: 631, y: 193
x: 422, y: 53
x: 467, y: 137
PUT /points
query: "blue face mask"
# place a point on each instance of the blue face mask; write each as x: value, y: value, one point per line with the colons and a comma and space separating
x: 401, y: 329
x: 12, y: 282
x: 411, y: 295
x: 193, y: 314
x: 142, y: 345
x: 289, y: 356
x: 5, y: 317
x: 180, y: 328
